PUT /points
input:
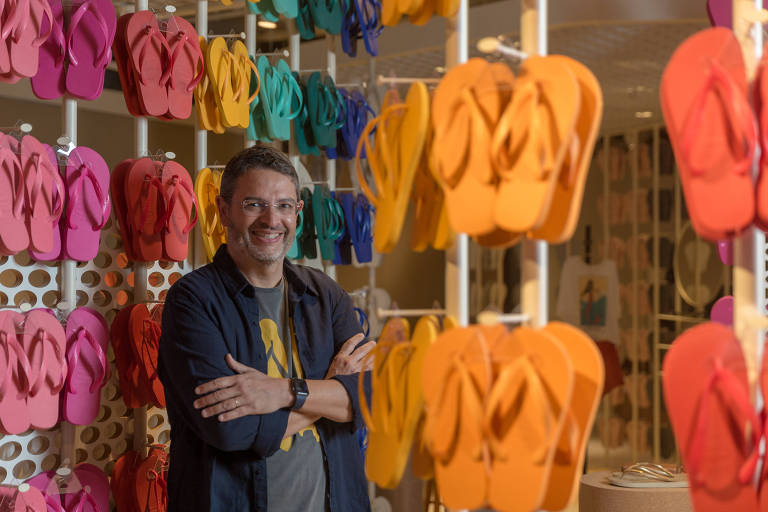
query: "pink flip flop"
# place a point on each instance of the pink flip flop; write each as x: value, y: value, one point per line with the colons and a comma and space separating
x: 186, y: 68
x: 49, y: 83
x: 87, y: 339
x: 41, y: 177
x: 149, y: 53
x: 24, y: 33
x: 14, y: 416
x: 145, y: 207
x: 13, y: 231
x: 47, y: 483
x: 182, y: 210
x: 94, y: 494
x: 44, y: 342
x: 22, y: 498
x: 55, y: 252
x: 89, y: 46
x: 88, y: 205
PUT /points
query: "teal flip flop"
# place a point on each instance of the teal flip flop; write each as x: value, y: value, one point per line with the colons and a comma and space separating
x: 288, y: 8
x: 290, y: 93
x: 305, y: 22
x: 294, y: 252
x: 329, y: 221
x: 301, y: 127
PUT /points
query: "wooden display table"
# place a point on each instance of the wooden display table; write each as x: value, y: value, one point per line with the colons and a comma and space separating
x: 596, y: 494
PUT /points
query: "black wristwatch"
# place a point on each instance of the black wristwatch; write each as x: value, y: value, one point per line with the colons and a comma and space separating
x: 300, y: 391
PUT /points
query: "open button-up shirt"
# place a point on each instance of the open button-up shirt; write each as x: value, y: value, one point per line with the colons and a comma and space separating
x: 221, y: 466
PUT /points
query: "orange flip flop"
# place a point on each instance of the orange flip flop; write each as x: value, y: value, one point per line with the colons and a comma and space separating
x: 456, y: 380
x: 531, y: 141
x: 707, y: 397
x: 525, y: 415
x: 565, y: 207
x: 712, y: 130
x: 589, y: 378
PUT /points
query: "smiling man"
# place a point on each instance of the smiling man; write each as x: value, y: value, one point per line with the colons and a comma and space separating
x: 260, y: 363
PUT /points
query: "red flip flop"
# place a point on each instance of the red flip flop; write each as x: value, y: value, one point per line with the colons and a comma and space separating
x: 186, y: 68
x: 117, y: 194
x: 124, y: 69
x: 149, y: 56
x: 181, y: 216
x: 145, y: 206
x: 707, y: 396
x: 712, y: 130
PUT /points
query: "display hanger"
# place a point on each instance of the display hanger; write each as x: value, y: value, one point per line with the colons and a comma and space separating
x: 395, y: 80
x: 384, y: 313
x: 488, y: 317
x: 278, y: 53
x: 17, y: 131
x: 498, y: 45
x: 230, y: 35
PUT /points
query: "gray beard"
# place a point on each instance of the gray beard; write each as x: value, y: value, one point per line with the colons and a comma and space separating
x: 244, y: 241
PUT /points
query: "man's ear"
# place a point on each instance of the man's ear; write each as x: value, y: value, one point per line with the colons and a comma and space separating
x: 223, y: 207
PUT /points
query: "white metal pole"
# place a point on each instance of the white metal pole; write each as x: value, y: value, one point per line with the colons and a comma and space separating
x: 534, y: 296
x: 68, y: 288
x: 140, y: 273
x: 330, y: 164
x: 250, y: 44
x: 201, y: 142
x: 294, y: 45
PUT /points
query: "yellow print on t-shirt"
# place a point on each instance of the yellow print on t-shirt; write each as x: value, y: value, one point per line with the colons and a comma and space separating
x: 277, y: 366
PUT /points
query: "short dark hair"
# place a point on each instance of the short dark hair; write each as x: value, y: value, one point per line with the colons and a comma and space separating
x: 255, y: 158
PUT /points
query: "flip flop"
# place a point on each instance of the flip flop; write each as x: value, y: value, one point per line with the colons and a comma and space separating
x: 456, y: 378
x: 712, y: 130
x: 94, y: 493
x: 206, y: 190
x: 44, y: 342
x: 560, y: 223
x: 708, y: 401
x: 124, y: 69
x: 589, y: 379
x: 123, y: 481
x: 308, y: 239
x: 90, y: 34
x: 220, y: 64
x: 117, y: 194
x: 294, y: 252
x: 23, y: 29
x: 244, y: 71
x: 181, y: 215
x: 343, y: 244
x: 22, y: 498
x: 144, y: 339
x: 87, y: 339
x: 529, y: 160
x: 55, y: 253
x: 761, y: 188
x: 151, y: 491
x: 149, y: 56
x: 87, y: 180
x: 14, y: 388
x: 145, y: 207
x: 49, y: 82
x: 186, y: 66
x: 14, y: 236
x: 41, y: 179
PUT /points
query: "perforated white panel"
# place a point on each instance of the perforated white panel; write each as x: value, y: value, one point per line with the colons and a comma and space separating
x: 105, y: 284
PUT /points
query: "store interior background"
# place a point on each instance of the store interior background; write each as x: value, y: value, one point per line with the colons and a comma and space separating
x: 626, y: 44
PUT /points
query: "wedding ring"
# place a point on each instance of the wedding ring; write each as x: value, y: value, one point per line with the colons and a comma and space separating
x: 237, y: 403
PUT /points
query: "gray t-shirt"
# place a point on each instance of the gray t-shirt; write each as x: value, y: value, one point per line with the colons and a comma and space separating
x: 296, y: 476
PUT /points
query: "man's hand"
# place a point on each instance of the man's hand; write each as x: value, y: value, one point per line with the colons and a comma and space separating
x: 248, y: 392
x: 349, y: 360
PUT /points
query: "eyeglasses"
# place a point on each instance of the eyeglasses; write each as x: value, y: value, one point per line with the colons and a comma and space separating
x: 256, y: 207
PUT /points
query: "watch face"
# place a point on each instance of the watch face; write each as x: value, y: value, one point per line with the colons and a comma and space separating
x: 299, y: 387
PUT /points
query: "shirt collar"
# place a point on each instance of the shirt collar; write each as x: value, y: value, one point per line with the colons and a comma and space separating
x: 235, y: 282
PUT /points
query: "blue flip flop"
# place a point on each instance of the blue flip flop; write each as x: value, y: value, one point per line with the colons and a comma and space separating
x: 361, y: 230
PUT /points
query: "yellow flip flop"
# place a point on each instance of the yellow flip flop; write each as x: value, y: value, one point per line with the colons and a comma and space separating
x: 242, y: 67
x: 563, y: 216
x: 531, y: 141
x: 207, y: 186
x: 219, y: 65
x: 424, y: 13
x: 390, y: 13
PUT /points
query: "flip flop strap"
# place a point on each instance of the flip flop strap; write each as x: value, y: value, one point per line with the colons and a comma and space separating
x: 363, y: 220
x: 736, y: 399
x: 86, y: 498
x: 37, y: 187
x: 212, y: 191
x: 225, y: 66
x: 84, y: 335
x: 42, y: 375
x: 381, y: 187
x: 161, y: 498
x: 57, y: 33
x: 150, y: 181
x: 54, y: 503
x: 150, y: 337
x: 299, y: 225
x: 21, y: 367
x: 173, y: 196
x: 85, y: 171
x: 255, y: 73
x: 77, y: 16
x: 333, y: 218
x: 739, y: 120
x: 152, y: 33
x: 363, y: 319
x: 294, y: 93
x: 17, y: 178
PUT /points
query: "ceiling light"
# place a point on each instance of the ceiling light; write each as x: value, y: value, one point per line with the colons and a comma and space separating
x: 644, y: 114
x: 270, y: 25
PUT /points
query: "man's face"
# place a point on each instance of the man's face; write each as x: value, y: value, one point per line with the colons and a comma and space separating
x: 253, y: 223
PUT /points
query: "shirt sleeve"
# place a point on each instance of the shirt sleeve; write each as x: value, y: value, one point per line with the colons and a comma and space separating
x: 192, y: 351
x: 346, y: 325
